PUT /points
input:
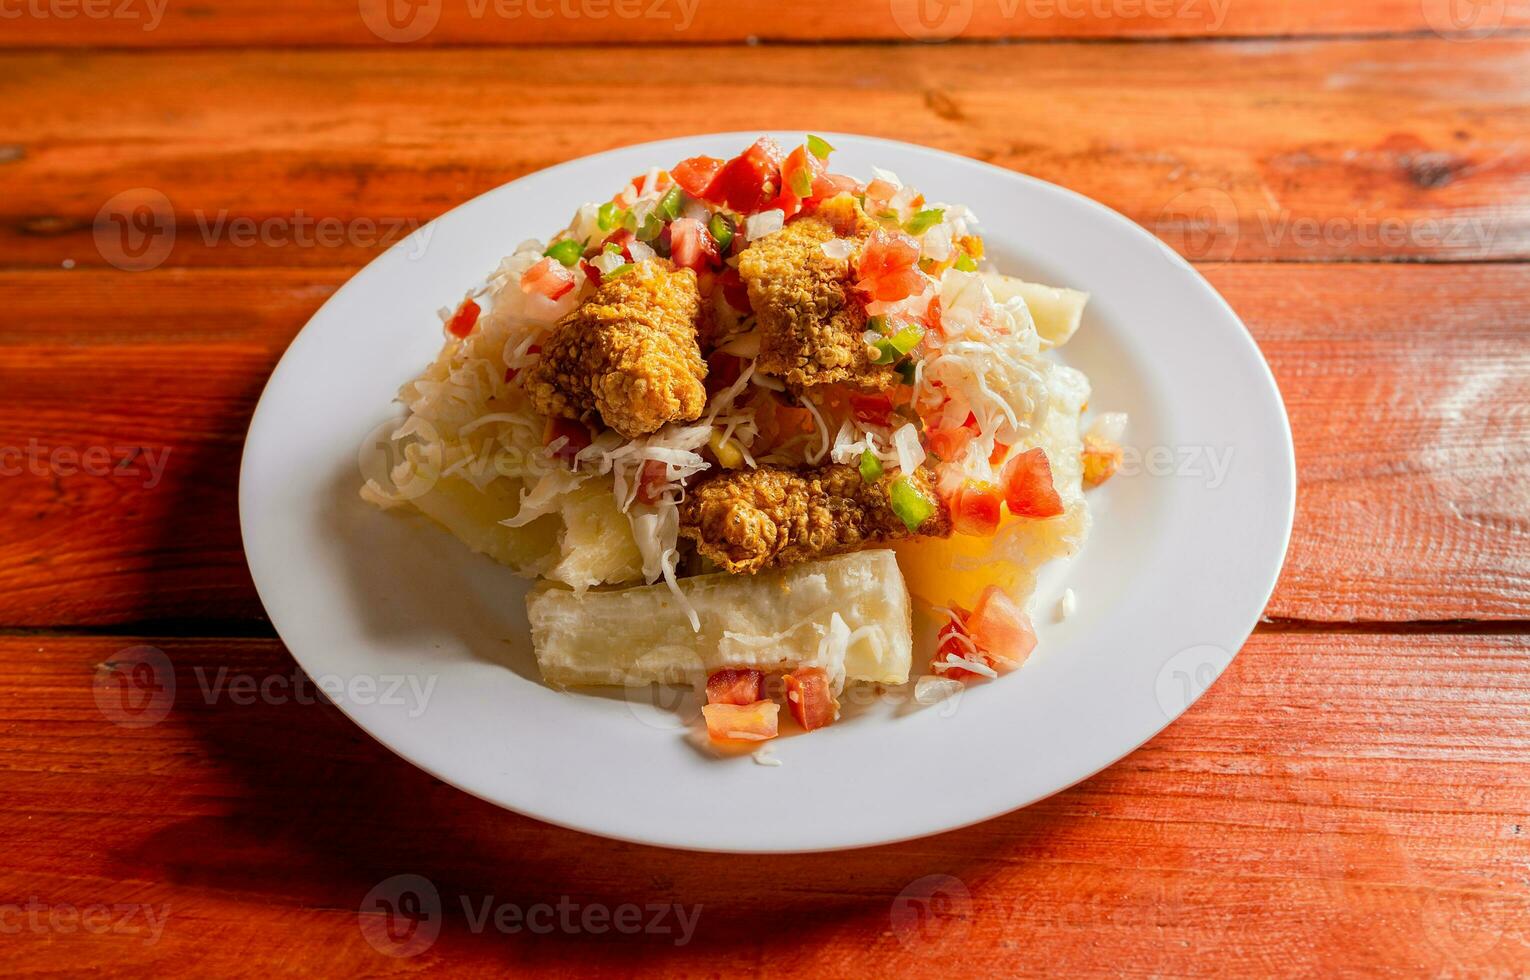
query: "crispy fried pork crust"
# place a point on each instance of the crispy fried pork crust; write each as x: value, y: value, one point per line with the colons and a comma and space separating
x: 772, y: 517
x: 811, y: 327
x: 629, y: 352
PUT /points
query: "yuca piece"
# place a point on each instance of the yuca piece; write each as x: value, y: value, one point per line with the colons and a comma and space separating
x: 1055, y: 309
x: 774, y: 621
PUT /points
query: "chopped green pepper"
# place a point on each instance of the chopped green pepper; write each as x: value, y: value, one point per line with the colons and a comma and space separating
x: 651, y: 227
x: 669, y: 205
x: 819, y: 147
x: 905, y: 371
x: 620, y: 270
x: 566, y: 251
x: 871, y: 467
x: 909, y: 503
x: 925, y: 220
x: 900, y: 343
x: 721, y: 227
x: 802, y: 182
x: 877, y: 323
x: 966, y: 264
x: 609, y: 216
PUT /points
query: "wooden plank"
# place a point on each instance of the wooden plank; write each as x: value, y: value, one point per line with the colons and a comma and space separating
x: 1353, y: 149
x: 146, y: 24
x: 1328, y: 787
x: 1405, y: 385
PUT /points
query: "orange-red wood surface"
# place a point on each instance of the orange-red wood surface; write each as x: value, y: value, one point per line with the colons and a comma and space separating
x: 1351, y: 798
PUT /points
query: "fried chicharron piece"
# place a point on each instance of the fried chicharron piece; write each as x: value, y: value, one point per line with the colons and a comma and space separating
x: 629, y: 352
x: 773, y: 517
x: 812, y: 329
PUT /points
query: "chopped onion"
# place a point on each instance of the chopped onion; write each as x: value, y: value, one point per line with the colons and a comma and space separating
x: 933, y: 689
x: 910, y: 453
x: 1110, y: 426
x: 764, y: 223
x: 640, y: 252
x: 838, y: 248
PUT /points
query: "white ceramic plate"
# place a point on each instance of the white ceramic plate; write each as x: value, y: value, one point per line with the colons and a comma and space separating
x: 425, y: 645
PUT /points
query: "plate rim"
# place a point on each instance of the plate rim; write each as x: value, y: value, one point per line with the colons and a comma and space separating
x: 1126, y: 225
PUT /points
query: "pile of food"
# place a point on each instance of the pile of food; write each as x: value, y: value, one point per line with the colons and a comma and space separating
x: 746, y: 418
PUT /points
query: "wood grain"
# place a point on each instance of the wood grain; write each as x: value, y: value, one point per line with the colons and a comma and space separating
x: 1313, y: 150
x: 1407, y: 389
x: 1327, y: 787
x: 549, y: 22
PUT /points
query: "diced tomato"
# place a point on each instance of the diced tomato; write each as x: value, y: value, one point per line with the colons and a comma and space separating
x: 578, y: 437
x: 722, y: 370
x: 651, y: 481
x: 691, y: 246
x: 463, y: 319
x: 799, y: 173
x: 828, y: 185
x: 886, y: 267
x: 871, y: 409
x: 948, y: 443
x: 975, y: 508
x: 932, y: 314
x: 750, y: 180
x: 660, y: 183
x: 997, y: 456
x: 1000, y: 628
x: 621, y: 238
x: 742, y: 722
x: 548, y: 278
x: 1028, y: 487
x: 879, y: 191
x: 592, y: 273
x: 809, y: 698
x: 735, y: 292
x: 510, y: 373
x: 735, y: 686
x: 696, y: 174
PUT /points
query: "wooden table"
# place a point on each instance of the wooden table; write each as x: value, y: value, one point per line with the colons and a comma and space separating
x: 1352, y: 797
